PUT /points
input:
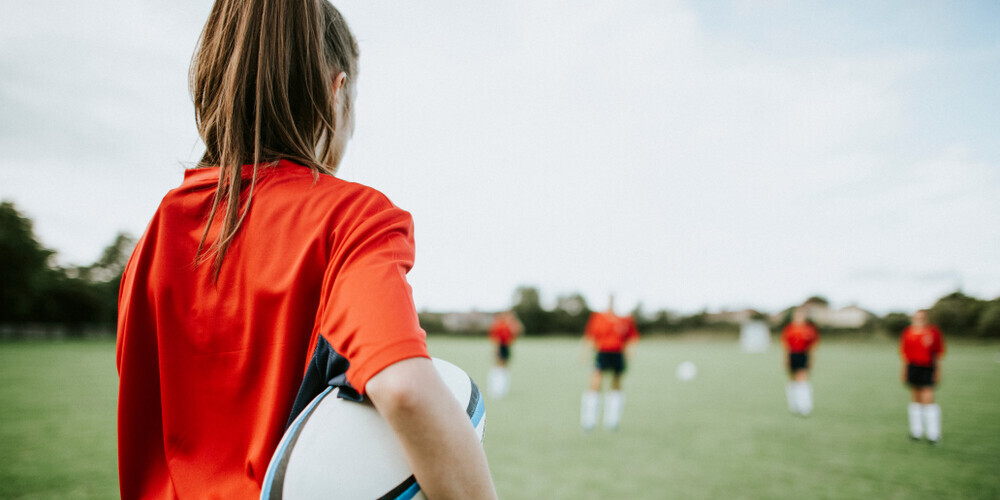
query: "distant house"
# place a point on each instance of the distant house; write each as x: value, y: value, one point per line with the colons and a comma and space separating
x: 823, y: 315
x: 734, y: 317
x: 473, y: 321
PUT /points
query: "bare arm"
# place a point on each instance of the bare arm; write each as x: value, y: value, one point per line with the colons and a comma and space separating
x: 440, y: 444
x: 629, y: 350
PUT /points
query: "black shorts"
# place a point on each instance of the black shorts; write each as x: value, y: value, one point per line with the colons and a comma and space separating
x: 920, y: 376
x: 503, y: 351
x: 798, y: 361
x: 610, y: 361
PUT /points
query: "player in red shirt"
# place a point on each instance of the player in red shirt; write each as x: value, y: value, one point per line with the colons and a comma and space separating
x: 921, y: 346
x: 799, y: 338
x: 502, y: 332
x: 612, y: 337
x: 262, y: 278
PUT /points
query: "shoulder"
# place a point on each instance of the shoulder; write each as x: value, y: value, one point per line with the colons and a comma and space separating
x: 327, y: 195
x: 302, y: 181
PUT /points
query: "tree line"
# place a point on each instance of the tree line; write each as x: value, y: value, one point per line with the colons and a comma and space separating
x: 571, y: 312
x: 37, y: 293
x: 956, y: 313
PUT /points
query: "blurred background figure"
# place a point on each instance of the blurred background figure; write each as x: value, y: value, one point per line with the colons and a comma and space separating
x: 921, y: 345
x: 799, y: 338
x: 612, y: 337
x: 505, y: 328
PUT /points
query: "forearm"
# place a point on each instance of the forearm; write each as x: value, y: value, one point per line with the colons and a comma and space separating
x: 440, y: 444
x: 629, y: 350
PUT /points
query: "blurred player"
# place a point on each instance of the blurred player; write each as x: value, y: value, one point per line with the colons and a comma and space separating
x: 262, y: 278
x: 612, y: 337
x: 921, y: 346
x: 799, y: 338
x: 503, y: 331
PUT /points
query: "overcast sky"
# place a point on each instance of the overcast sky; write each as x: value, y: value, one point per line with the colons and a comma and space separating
x: 743, y: 154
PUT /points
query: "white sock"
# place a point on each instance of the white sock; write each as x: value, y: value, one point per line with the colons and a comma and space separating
x: 805, y: 398
x: 915, y: 412
x: 590, y: 404
x: 495, y: 381
x: 932, y: 421
x: 503, y: 381
x: 614, y: 404
x: 793, y: 406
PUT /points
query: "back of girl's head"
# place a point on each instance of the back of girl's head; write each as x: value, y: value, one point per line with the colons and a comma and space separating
x: 261, y: 80
x: 262, y: 84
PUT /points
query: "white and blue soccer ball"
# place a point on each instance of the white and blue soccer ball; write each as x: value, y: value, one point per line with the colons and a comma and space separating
x: 337, y: 448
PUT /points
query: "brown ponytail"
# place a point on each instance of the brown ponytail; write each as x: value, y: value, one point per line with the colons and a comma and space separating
x: 262, y: 84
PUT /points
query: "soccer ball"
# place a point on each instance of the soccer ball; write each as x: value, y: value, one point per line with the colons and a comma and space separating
x: 686, y: 371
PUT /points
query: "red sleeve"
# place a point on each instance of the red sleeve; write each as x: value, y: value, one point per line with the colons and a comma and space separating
x: 367, y: 311
x: 902, y: 344
x: 633, y: 330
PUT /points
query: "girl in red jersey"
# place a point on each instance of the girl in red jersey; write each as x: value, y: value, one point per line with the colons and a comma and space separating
x: 612, y: 337
x: 503, y: 332
x: 799, y: 338
x: 263, y: 277
x: 921, y: 346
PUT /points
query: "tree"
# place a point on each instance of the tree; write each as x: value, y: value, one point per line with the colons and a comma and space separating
x: 694, y: 321
x: 895, y: 322
x: 663, y: 320
x: 817, y: 300
x: 111, y: 264
x: 956, y: 313
x: 71, y: 301
x: 989, y: 319
x: 23, y: 265
x: 106, y: 276
x: 571, y: 314
x: 34, y: 290
x: 528, y: 307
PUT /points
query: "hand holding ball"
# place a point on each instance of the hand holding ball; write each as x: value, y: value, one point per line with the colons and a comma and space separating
x: 343, y: 449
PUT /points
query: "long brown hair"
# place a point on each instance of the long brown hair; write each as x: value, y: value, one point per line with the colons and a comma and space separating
x: 262, y: 84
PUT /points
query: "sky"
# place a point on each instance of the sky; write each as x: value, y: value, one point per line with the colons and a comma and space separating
x: 682, y: 155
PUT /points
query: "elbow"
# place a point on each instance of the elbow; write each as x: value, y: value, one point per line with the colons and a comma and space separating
x: 400, y: 388
x: 400, y: 396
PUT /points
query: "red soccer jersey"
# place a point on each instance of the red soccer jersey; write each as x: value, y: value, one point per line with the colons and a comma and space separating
x: 799, y: 337
x: 503, y: 331
x: 209, y: 370
x: 609, y: 332
x: 921, y: 346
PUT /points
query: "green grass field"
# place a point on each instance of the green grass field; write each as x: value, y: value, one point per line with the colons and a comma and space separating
x: 726, y: 434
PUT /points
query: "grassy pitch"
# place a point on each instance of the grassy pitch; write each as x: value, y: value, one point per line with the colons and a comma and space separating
x: 728, y: 434
x: 724, y: 434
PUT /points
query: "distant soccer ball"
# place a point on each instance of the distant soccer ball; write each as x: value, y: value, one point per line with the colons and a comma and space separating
x: 686, y: 371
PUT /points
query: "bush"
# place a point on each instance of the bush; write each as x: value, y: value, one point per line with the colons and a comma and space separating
x: 989, y: 319
x: 895, y: 322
